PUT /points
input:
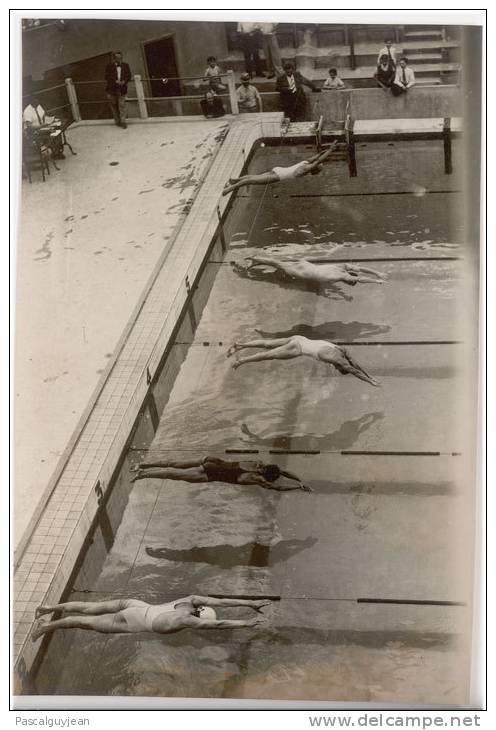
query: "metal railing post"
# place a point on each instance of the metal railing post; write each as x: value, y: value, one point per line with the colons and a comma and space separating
x: 233, y: 98
x: 351, y: 38
x: 138, y: 84
x: 73, y: 101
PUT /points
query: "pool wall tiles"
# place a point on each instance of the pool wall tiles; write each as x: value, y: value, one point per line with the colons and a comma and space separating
x: 74, y: 503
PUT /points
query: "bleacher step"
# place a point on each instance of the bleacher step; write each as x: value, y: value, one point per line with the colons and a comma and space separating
x: 423, y: 34
x: 424, y: 58
x: 428, y: 81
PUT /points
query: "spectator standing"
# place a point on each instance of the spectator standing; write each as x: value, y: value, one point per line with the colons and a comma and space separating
x: 385, y: 72
x: 249, y: 34
x: 213, y: 72
x: 404, y: 78
x: 271, y: 50
x: 117, y: 76
x: 249, y: 99
x: 388, y: 50
x: 333, y: 81
x: 292, y: 96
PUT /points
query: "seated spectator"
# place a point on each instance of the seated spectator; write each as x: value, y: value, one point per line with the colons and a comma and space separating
x: 388, y: 50
x: 35, y: 119
x: 385, y: 72
x: 212, y: 105
x: 213, y: 73
x: 249, y: 99
x: 333, y: 82
x: 404, y: 78
x: 292, y: 96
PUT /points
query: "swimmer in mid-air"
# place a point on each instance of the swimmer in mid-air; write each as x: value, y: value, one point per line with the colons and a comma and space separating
x: 312, y: 166
x: 321, y: 273
x: 132, y: 616
x: 287, y: 348
x: 212, y: 469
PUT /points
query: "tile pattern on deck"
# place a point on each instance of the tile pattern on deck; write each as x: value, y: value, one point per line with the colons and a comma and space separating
x: 56, y: 541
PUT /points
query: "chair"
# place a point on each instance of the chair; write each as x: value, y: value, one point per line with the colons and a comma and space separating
x: 35, y: 154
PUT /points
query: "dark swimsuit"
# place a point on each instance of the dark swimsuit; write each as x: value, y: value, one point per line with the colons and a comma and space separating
x: 218, y: 470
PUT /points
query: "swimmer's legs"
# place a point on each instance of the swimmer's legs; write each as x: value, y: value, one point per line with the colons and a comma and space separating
x: 175, y: 464
x: 264, y: 178
x: 265, y: 343
x: 285, y: 352
x: 106, y: 624
x: 194, y: 474
x: 86, y: 608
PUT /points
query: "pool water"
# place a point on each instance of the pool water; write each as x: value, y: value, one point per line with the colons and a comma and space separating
x: 369, y: 570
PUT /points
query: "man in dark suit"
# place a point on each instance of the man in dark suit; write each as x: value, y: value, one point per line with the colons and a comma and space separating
x: 117, y: 76
x: 290, y: 87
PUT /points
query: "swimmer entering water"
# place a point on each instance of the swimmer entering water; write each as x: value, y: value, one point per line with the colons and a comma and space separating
x: 312, y: 166
x: 322, y: 273
x: 287, y: 348
x: 212, y: 469
x: 132, y: 616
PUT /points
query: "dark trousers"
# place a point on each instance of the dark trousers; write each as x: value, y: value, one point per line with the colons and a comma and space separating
x: 397, y: 90
x: 251, y: 52
x: 294, y: 105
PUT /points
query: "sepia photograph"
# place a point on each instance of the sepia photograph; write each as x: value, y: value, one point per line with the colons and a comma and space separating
x: 247, y: 354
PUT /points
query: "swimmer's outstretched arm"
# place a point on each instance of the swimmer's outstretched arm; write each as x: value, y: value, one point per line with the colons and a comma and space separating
x: 321, y: 156
x: 262, y: 261
x: 290, y: 475
x: 199, y: 623
x: 348, y: 366
x: 365, y: 270
x: 258, y: 480
x: 227, y: 602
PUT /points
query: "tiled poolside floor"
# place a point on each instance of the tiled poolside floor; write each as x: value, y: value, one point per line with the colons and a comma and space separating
x: 89, y: 238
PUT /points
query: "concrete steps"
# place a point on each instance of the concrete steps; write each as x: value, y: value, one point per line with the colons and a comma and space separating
x: 423, y: 35
x: 422, y: 57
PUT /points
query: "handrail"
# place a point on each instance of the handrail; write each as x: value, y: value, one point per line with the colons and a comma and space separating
x: 42, y: 91
x: 225, y: 74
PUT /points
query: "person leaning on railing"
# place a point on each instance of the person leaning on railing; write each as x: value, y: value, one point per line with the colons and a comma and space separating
x: 211, y: 104
x: 213, y: 72
x: 117, y: 77
x: 290, y: 87
x: 249, y: 99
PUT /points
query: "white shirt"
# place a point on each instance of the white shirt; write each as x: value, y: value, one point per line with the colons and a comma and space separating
x: 247, y: 27
x: 213, y: 72
x: 118, y: 73
x: 248, y: 97
x: 32, y: 116
x: 336, y: 83
x: 291, y: 83
x: 267, y: 28
x: 385, y: 52
x: 409, y: 76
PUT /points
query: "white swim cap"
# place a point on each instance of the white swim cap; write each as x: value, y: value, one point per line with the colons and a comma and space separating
x: 207, y: 613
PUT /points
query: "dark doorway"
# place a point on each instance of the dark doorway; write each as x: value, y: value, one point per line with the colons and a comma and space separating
x: 160, y: 57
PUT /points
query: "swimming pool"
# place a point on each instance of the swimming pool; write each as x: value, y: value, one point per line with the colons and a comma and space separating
x: 369, y: 567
